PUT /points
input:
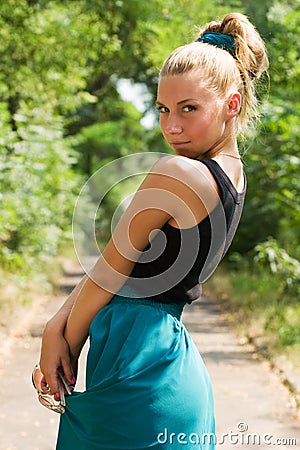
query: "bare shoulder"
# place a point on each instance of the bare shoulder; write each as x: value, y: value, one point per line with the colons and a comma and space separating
x: 191, y: 184
x: 188, y: 171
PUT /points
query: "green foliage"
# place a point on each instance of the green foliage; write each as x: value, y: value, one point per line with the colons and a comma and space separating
x: 270, y: 255
x: 113, y: 206
x: 273, y: 159
x: 263, y: 307
x: 285, y: 324
x: 117, y: 134
x: 39, y: 81
x: 38, y: 192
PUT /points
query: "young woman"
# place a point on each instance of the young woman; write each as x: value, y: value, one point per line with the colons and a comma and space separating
x: 147, y: 386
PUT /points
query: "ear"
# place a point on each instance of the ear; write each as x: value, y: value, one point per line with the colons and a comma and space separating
x: 234, y: 104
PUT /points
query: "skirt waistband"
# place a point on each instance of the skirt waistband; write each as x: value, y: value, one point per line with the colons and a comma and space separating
x: 129, y: 296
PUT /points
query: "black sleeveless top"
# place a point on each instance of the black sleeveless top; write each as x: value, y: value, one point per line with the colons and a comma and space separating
x: 172, y: 268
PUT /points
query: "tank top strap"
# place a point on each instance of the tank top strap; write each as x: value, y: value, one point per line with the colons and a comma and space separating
x: 223, y: 181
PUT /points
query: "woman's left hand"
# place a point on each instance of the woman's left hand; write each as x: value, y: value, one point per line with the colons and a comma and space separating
x: 55, y: 358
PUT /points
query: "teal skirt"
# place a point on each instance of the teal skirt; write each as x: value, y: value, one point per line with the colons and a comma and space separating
x: 146, y: 384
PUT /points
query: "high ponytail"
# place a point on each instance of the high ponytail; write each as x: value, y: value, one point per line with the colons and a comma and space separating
x: 250, y: 52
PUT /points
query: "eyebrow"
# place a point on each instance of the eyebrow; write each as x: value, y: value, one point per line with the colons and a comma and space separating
x: 181, y: 101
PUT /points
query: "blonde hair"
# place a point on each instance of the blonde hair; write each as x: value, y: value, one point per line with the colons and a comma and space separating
x: 220, y: 71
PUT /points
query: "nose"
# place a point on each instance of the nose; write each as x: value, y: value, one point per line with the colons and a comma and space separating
x: 173, y: 124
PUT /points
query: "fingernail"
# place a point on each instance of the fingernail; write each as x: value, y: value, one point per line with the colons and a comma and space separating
x: 73, y: 381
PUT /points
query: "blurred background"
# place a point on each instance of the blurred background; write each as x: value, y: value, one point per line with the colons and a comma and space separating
x: 77, y: 90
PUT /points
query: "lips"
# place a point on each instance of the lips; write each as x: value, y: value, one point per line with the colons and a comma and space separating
x: 178, y: 143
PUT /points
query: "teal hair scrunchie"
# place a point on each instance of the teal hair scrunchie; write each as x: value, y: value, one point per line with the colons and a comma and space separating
x: 220, y: 40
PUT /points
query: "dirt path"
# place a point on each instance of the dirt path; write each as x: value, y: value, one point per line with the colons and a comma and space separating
x: 253, y: 409
x: 252, y: 406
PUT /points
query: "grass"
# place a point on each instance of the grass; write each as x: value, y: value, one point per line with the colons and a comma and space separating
x: 261, y: 306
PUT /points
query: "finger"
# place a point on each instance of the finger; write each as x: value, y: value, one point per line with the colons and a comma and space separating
x: 67, y: 372
x: 37, y: 378
x: 45, y: 388
x: 67, y: 385
x: 50, y: 381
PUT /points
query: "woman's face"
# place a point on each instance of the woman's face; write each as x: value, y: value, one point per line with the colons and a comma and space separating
x: 192, y: 118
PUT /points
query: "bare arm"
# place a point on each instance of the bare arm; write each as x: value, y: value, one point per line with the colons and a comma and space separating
x: 160, y: 198
x: 55, y: 350
x: 114, y: 266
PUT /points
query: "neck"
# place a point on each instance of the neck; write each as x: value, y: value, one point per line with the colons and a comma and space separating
x: 229, y: 147
x: 231, y: 155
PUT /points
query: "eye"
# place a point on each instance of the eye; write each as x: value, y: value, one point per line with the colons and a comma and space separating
x: 162, y: 109
x: 189, y: 108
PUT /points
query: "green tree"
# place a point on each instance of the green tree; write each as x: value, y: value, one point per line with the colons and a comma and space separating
x: 43, y: 75
x: 273, y: 160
